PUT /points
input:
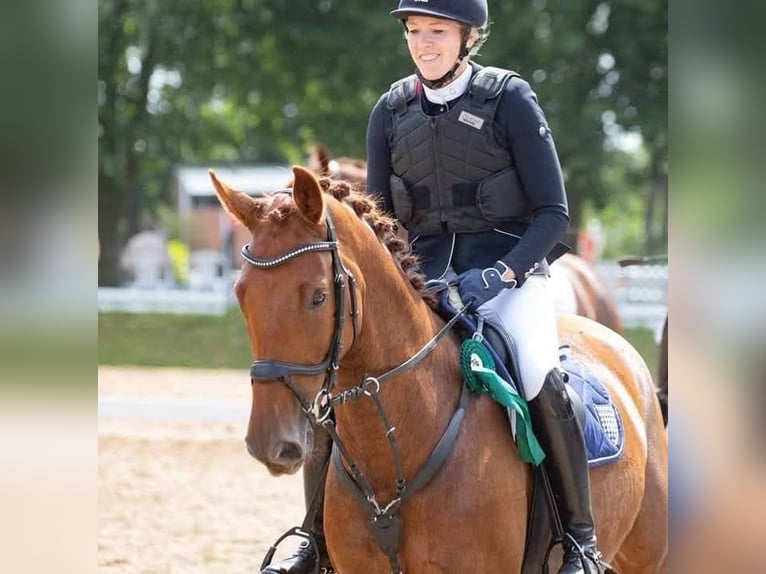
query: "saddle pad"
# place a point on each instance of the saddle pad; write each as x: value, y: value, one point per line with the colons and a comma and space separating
x: 603, y: 428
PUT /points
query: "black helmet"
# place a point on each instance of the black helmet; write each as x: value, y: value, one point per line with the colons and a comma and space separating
x: 471, y: 12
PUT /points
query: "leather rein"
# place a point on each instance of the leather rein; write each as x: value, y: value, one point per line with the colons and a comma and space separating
x: 385, y: 521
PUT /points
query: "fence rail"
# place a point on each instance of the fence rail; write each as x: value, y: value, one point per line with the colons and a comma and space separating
x: 640, y: 293
x: 180, y: 301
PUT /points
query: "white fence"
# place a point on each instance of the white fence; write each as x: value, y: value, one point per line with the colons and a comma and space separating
x: 640, y: 292
x: 635, y: 283
x: 180, y: 301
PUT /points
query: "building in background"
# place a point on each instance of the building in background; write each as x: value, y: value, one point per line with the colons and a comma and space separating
x: 204, y: 226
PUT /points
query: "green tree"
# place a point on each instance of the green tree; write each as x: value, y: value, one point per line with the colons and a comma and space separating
x: 637, y: 38
x: 244, y: 81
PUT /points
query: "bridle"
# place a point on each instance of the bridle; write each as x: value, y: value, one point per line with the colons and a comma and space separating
x: 385, y: 521
x: 262, y: 370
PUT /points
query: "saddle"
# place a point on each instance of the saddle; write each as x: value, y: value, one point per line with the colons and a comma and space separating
x: 599, y: 418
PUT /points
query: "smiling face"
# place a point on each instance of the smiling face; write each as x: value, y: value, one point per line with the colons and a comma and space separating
x: 434, y: 45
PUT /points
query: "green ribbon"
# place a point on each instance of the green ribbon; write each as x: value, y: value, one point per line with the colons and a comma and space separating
x: 478, y: 369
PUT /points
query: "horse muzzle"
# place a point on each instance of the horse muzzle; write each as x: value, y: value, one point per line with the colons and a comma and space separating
x: 280, y: 457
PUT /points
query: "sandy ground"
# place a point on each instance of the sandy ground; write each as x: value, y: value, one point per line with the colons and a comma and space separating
x: 180, y: 496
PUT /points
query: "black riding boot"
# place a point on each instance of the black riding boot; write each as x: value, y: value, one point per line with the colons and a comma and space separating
x: 305, y: 559
x: 560, y: 435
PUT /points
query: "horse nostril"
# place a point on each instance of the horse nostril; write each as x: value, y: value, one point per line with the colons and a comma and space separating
x: 287, y: 453
x: 250, y: 447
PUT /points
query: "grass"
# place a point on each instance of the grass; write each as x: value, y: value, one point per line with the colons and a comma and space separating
x: 160, y: 340
x: 205, y: 341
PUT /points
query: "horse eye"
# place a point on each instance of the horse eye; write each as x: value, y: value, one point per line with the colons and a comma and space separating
x: 318, y: 298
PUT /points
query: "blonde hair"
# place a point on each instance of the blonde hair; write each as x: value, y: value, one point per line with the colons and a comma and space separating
x: 482, y: 35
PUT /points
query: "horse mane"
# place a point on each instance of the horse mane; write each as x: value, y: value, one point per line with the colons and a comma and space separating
x: 369, y: 211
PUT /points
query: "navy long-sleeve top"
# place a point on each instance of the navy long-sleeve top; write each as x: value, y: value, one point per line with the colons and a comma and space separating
x: 521, y: 127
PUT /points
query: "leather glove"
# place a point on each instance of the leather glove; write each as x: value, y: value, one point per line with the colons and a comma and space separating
x: 478, y: 286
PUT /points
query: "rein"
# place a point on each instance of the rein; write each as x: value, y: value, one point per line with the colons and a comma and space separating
x: 385, y: 521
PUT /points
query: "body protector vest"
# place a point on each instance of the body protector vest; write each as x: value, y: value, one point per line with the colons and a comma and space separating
x: 449, y: 174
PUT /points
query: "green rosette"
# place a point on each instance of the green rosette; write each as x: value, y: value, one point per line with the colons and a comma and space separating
x: 479, y: 372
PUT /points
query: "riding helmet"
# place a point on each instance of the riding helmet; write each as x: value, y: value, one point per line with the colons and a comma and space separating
x: 471, y: 12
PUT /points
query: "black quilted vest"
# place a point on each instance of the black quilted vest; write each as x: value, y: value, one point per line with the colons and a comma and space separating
x: 449, y: 174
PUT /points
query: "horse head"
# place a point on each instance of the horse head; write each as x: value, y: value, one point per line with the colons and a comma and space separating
x: 301, y: 292
x: 287, y: 292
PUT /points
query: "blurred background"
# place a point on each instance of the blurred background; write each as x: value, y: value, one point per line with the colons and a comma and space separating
x: 252, y: 87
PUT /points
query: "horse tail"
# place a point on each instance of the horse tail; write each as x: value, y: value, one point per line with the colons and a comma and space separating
x: 662, y: 373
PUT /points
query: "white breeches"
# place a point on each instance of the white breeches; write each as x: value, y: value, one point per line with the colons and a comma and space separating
x: 527, y: 315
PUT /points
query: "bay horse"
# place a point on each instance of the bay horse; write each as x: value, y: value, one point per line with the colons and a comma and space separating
x: 347, y: 169
x: 339, y: 328
x: 578, y: 289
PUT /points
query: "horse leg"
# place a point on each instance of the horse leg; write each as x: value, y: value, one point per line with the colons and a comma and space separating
x: 645, y: 550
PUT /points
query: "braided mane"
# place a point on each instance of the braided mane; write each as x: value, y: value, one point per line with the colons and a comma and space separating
x: 277, y: 207
x: 384, y: 226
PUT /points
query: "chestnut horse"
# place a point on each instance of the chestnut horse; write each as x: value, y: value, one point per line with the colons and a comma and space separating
x: 340, y: 331
x: 577, y: 289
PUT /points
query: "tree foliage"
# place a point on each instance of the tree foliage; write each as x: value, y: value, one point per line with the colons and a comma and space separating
x: 245, y: 81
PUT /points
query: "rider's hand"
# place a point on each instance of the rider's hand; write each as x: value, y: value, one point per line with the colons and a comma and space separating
x: 478, y: 286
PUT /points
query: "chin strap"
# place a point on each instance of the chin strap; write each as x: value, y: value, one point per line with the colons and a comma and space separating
x: 449, y: 76
x: 440, y: 82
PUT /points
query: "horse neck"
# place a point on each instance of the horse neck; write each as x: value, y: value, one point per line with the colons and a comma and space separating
x: 397, y: 323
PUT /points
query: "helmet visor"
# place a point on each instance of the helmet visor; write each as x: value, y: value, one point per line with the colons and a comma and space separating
x: 403, y: 13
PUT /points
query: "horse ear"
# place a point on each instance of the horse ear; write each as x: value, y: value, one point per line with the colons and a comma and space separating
x: 244, y: 208
x: 307, y: 194
x: 324, y: 159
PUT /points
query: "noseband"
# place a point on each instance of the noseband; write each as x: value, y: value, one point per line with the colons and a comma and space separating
x: 263, y: 370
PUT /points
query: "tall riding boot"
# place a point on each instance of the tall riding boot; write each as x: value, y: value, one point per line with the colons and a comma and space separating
x: 304, y: 560
x: 561, y: 437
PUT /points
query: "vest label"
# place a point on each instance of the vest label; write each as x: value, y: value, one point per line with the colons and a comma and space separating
x: 470, y: 120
